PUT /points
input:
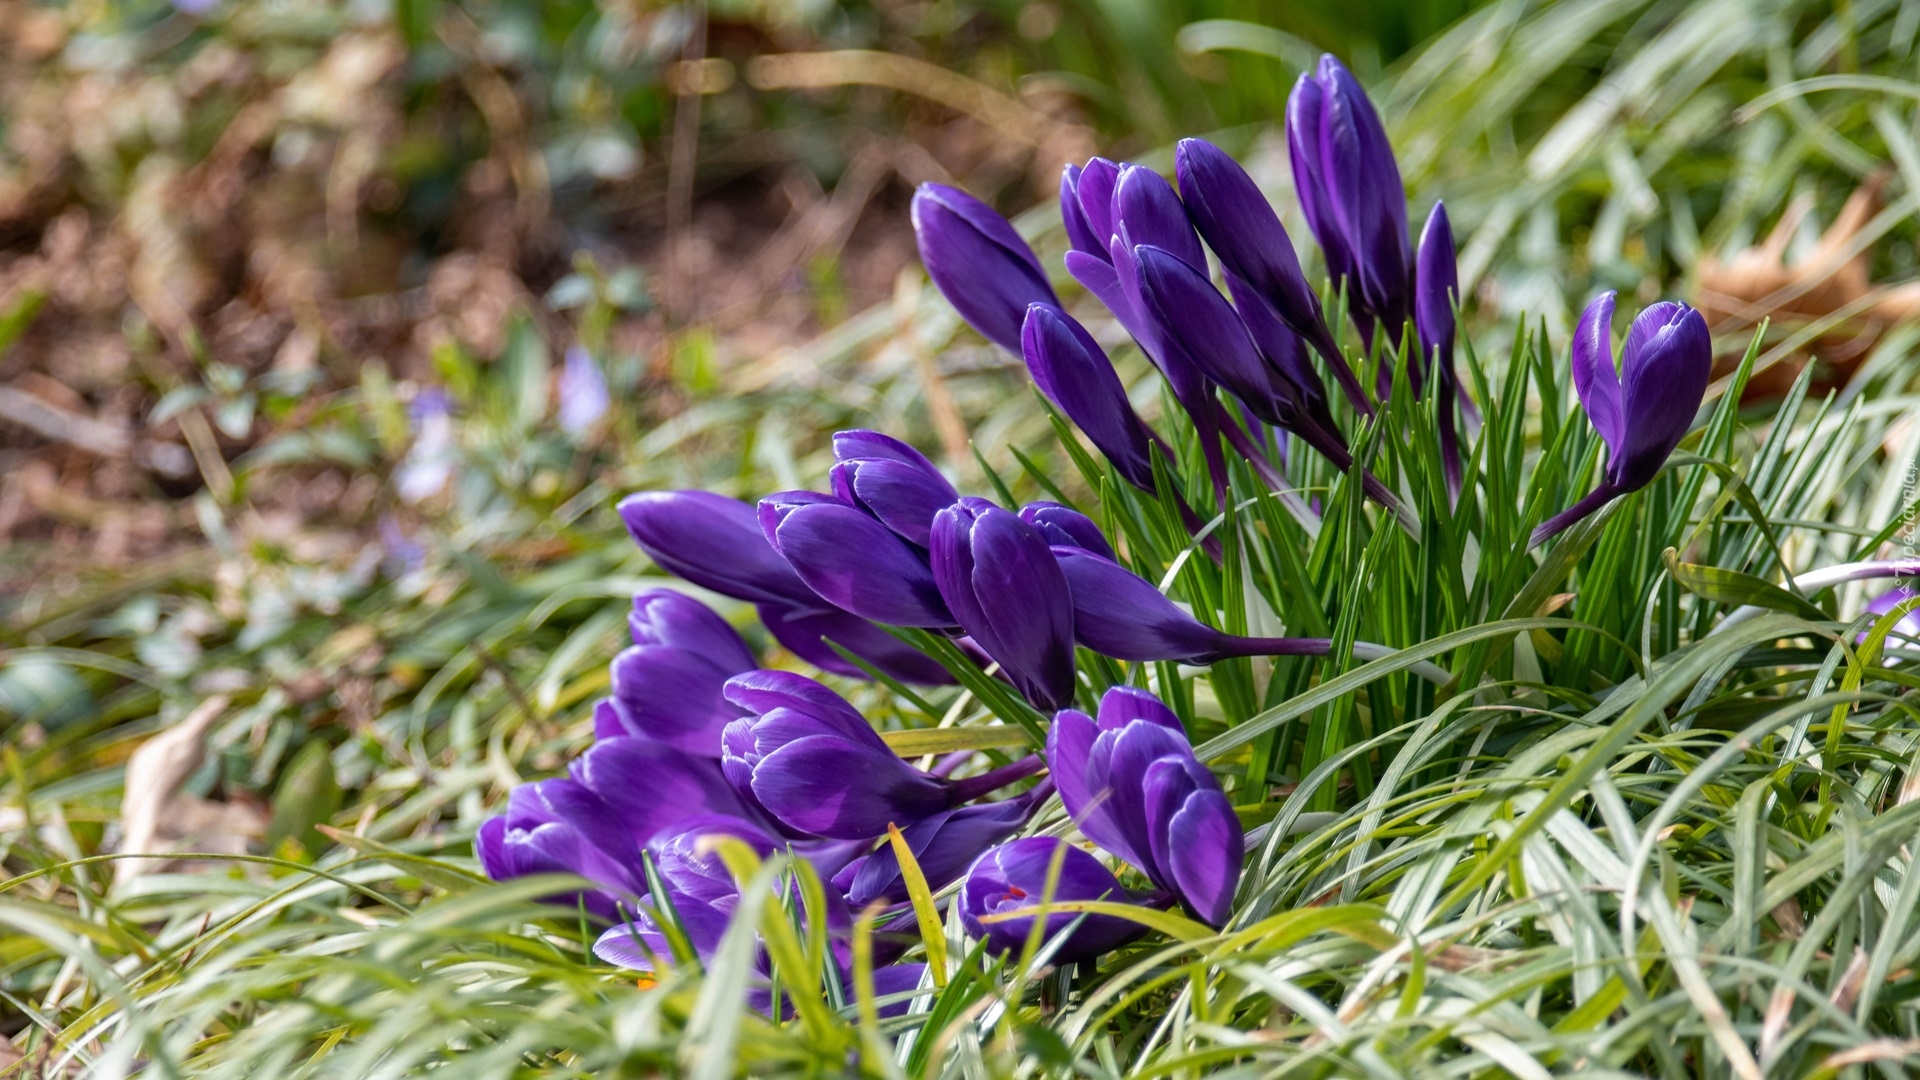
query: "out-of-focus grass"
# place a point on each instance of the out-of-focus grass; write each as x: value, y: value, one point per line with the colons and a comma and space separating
x: 1579, y: 146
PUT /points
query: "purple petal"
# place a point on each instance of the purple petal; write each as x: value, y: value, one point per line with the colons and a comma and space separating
x: 673, y: 695
x: 1240, y: 226
x: 1014, y: 877
x: 1306, y: 109
x: 651, y: 786
x: 859, y: 565
x: 1147, y: 210
x: 903, y: 497
x: 1198, y: 321
x: 979, y: 262
x: 999, y: 578
x: 1122, y: 705
x: 666, y: 617
x: 704, y: 926
x: 1120, y: 614
x: 1135, y: 750
x: 1070, y: 745
x: 1077, y: 377
x: 1205, y: 845
x: 714, y: 542
x: 1594, y: 377
x: 1665, y: 367
x: 763, y: 692
x: 943, y: 846
x: 1436, y: 292
x: 1067, y: 527
x: 1369, y: 201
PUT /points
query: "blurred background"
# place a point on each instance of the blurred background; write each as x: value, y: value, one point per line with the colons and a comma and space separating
x: 303, y: 307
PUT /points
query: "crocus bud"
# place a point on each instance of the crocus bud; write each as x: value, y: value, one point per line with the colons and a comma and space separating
x: 1067, y: 527
x: 890, y: 480
x: 1147, y: 211
x: 689, y: 865
x: 1642, y: 410
x: 999, y: 578
x: 816, y: 764
x: 853, y: 561
x: 559, y: 827
x: 1086, y: 205
x: 582, y: 392
x: 1132, y: 785
x: 1118, y: 613
x: 806, y: 631
x: 1350, y: 188
x: 1436, y: 292
x: 943, y: 846
x: 668, y: 685
x: 650, y: 786
x: 1198, y: 322
x: 1075, y: 374
x: 714, y: 542
x: 1240, y: 226
x: 1016, y: 877
x: 979, y: 262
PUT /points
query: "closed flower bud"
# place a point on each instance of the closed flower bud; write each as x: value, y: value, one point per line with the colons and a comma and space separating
x: 1014, y: 878
x: 668, y: 685
x: 1074, y: 374
x: 890, y: 480
x: 943, y: 846
x: 979, y: 262
x: 998, y: 577
x: 853, y: 561
x: 714, y: 542
x: 1066, y: 527
x: 1132, y: 785
x: 1086, y: 205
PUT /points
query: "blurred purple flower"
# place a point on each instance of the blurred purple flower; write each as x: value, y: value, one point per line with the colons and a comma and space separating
x: 582, y: 392
x: 429, y: 463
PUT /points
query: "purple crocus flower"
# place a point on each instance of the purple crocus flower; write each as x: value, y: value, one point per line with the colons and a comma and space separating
x: 890, y: 480
x: 979, y: 262
x: 582, y: 392
x: 1436, y: 292
x: 1350, y: 189
x: 1241, y: 227
x: 1132, y: 785
x: 1074, y: 373
x: 805, y: 631
x: 852, y: 560
x: 818, y: 767
x: 1066, y: 526
x: 1000, y: 580
x: 668, y: 685
x: 943, y: 846
x: 1643, y: 410
x: 714, y: 542
x: 1016, y: 877
x: 651, y: 787
x: 1118, y: 613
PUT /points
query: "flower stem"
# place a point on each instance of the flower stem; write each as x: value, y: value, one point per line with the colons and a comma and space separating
x: 975, y: 786
x: 1565, y: 519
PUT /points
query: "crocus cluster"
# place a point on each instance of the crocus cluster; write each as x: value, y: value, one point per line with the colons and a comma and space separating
x: 1137, y: 245
x: 1131, y: 784
x: 697, y: 742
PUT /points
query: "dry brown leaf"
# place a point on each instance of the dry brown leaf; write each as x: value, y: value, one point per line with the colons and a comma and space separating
x: 157, y: 818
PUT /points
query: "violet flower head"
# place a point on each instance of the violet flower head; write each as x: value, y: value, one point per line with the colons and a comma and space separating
x: 1074, y: 373
x: 1065, y: 526
x: 890, y: 480
x: 815, y: 763
x: 1016, y: 877
x: 1000, y: 580
x: 1132, y: 785
x: 714, y: 542
x: 1906, y: 631
x: 429, y: 463
x: 559, y: 827
x: 582, y: 392
x: 668, y: 686
x: 852, y: 560
x: 1642, y: 410
x: 1241, y: 227
x: 979, y: 262
x: 1350, y: 189
x: 1436, y: 293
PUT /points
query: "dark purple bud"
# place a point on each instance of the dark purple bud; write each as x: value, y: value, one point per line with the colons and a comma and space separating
x: 806, y: 631
x: 1000, y: 580
x: 1188, y: 381
x: 979, y: 262
x: 1436, y: 293
x: 852, y: 560
x: 1286, y: 356
x: 1132, y: 785
x: 714, y: 542
x: 1643, y: 409
x: 1240, y: 226
x: 890, y: 480
x: 1147, y: 211
x: 943, y: 845
x: 690, y: 865
x: 1016, y: 877
x: 816, y: 764
x: 1070, y: 368
x: 1086, y: 205
x: 1350, y: 188
x: 668, y: 686
x: 1066, y: 527
x: 557, y: 827
x: 1198, y: 322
